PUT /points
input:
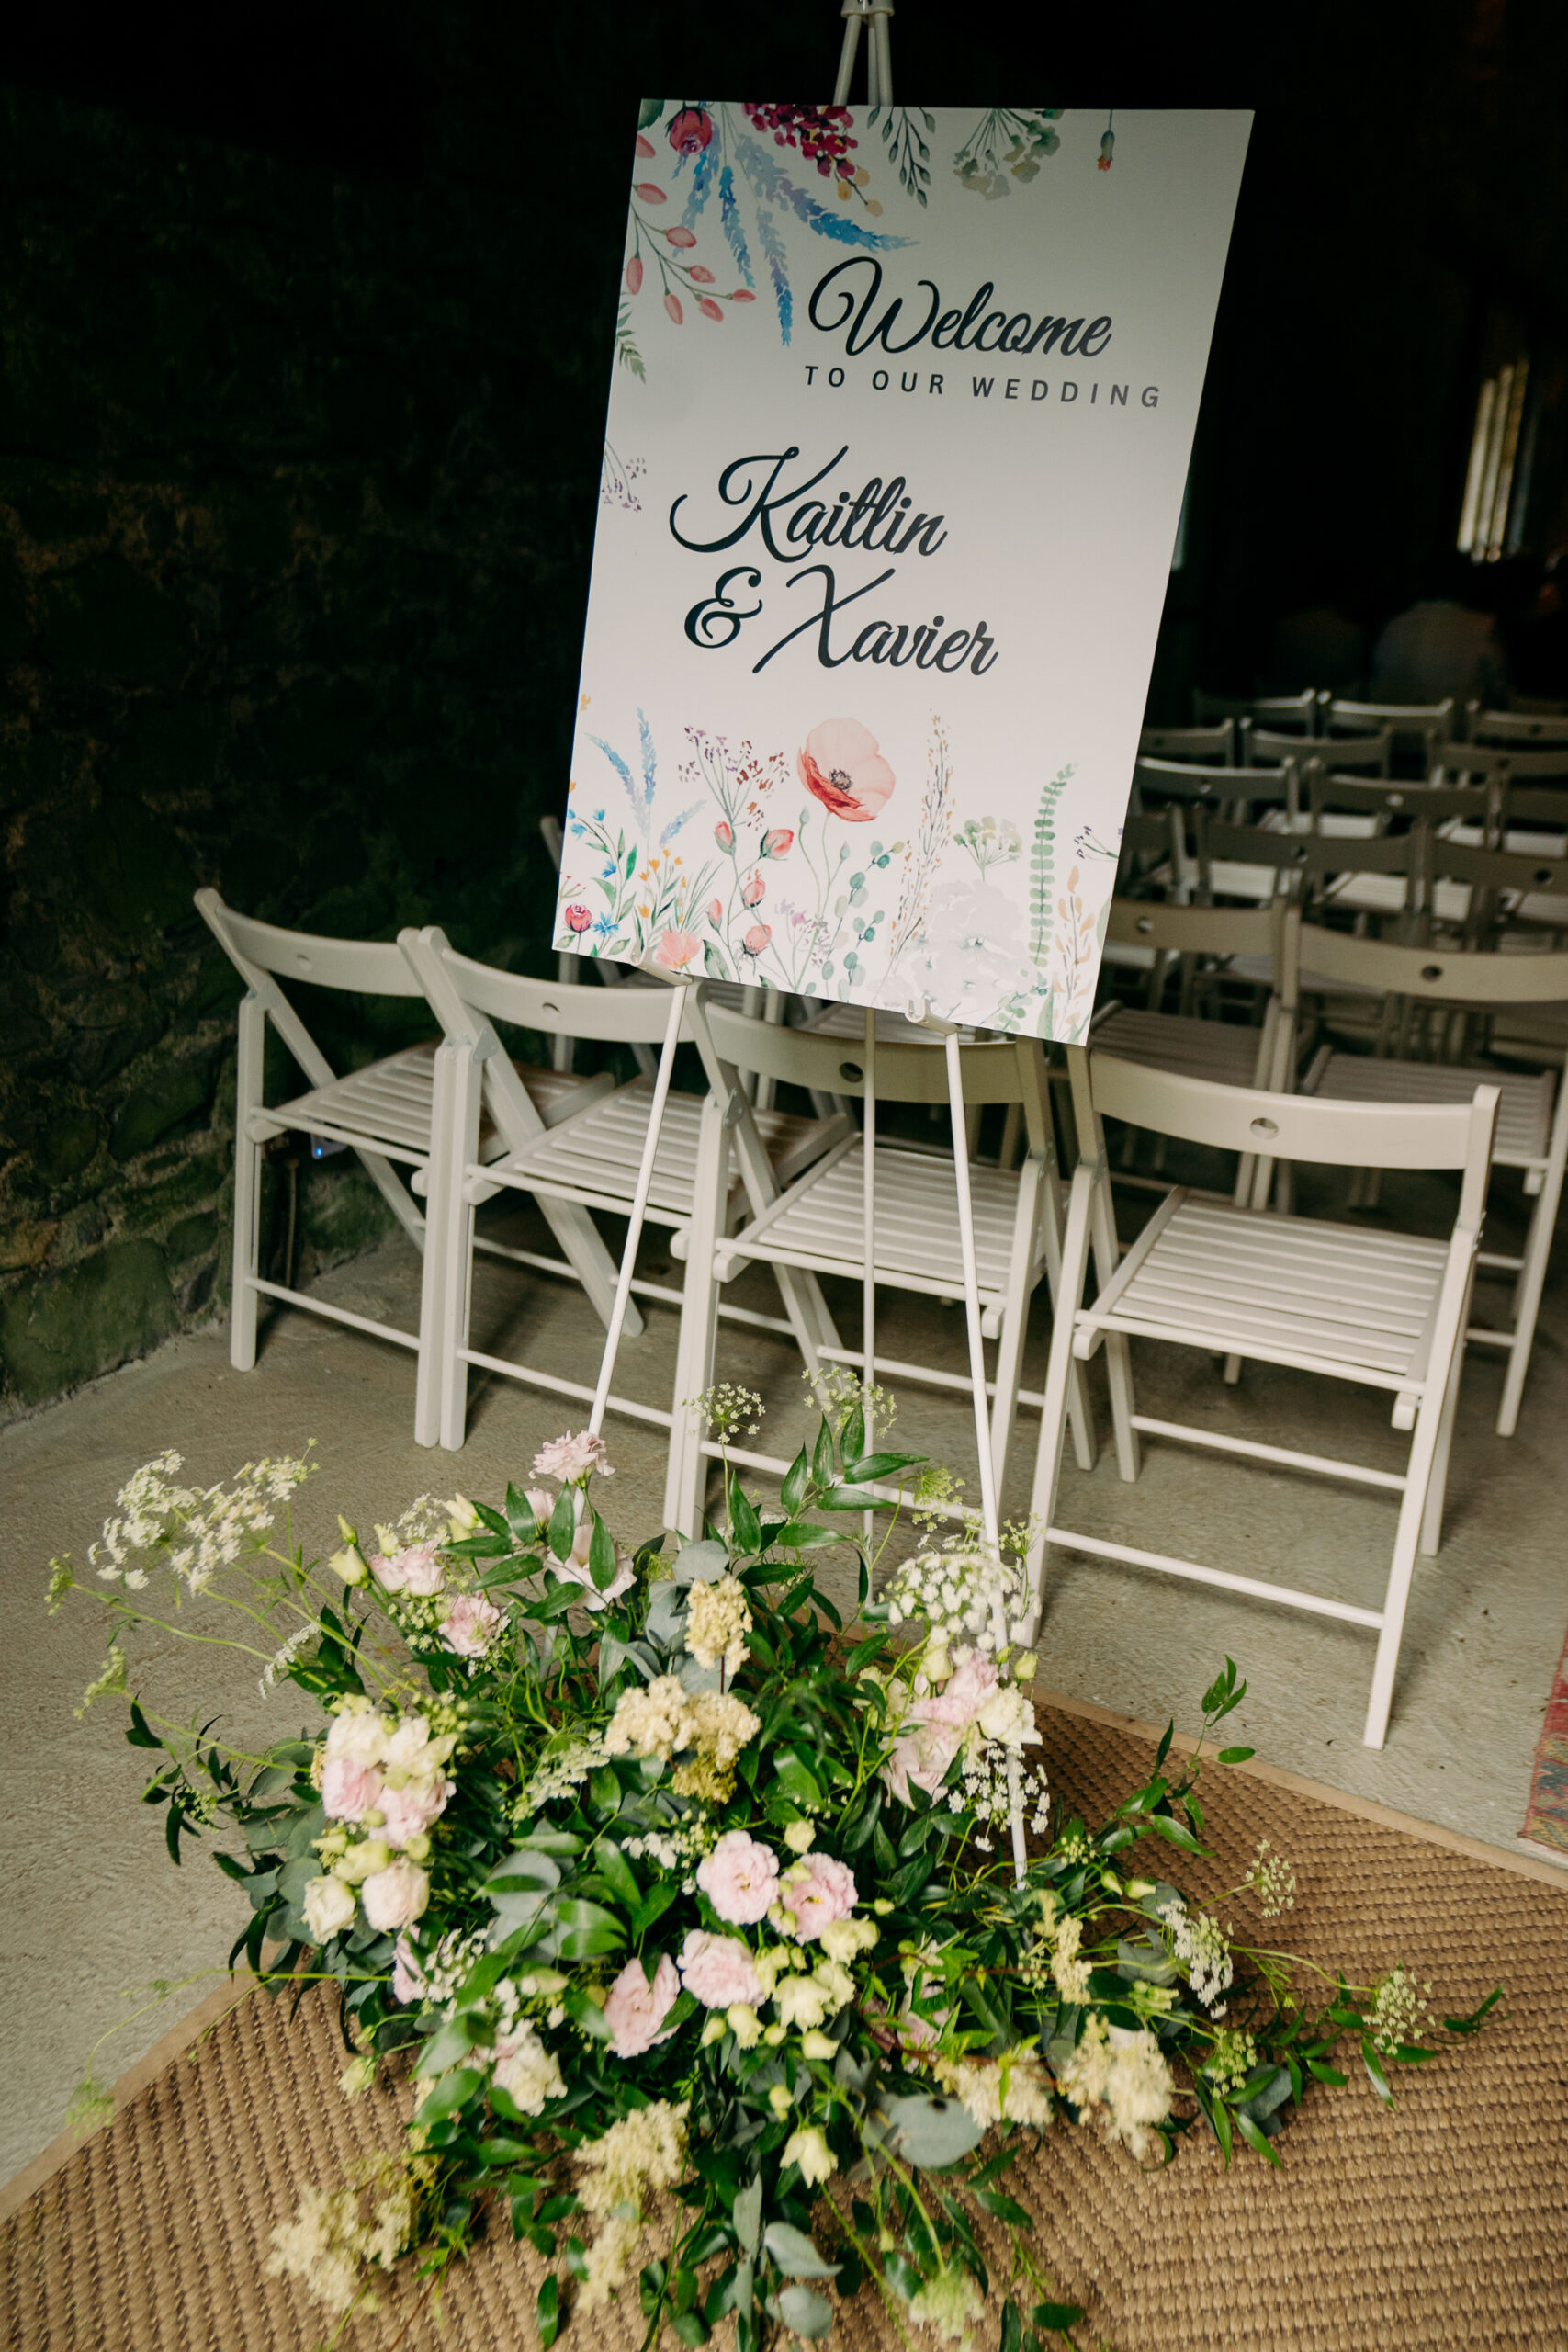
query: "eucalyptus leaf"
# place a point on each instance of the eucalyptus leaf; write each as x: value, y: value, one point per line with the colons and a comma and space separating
x: 702, y: 1562
x: 794, y: 2253
x: 801, y: 2309
x: 928, y: 2131
x: 748, y: 2216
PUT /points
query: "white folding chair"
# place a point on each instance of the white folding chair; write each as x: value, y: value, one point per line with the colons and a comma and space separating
x: 1532, y: 1108
x: 1296, y: 712
x: 383, y: 1113
x: 819, y: 1224
x: 1267, y: 747
x: 1385, y: 1310
x: 592, y: 1164
x: 1210, y: 746
x: 1513, y: 728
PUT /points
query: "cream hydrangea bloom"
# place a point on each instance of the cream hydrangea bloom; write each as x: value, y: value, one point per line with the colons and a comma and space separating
x: 718, y: 1621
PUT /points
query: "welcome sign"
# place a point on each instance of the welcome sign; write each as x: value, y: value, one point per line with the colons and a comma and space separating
x: 901, y: 411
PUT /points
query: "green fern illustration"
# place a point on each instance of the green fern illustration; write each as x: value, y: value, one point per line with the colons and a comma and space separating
x: 1043, y: 866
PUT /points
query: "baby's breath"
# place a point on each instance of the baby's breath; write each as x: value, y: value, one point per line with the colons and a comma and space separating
x: 730, y: 1412
x: 1397, y: 2010
x: 1272, y: 1880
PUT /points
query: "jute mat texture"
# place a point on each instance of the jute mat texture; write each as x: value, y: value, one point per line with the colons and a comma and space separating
x: 1443, y: 2223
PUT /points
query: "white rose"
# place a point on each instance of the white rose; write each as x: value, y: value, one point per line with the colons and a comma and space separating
x: 396, y: 1896
x: 360, y: 1736
x: 1009, y: 1717
x: 329, y: 1907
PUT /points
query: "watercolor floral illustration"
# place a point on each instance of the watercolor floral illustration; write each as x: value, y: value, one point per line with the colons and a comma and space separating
x: 788, y: 875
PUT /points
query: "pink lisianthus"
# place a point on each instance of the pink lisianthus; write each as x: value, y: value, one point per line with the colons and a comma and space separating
x: 409, y: 1982
x: 718, y: 1970
x: 676, y: 948
x: 636, y: 2009
x: 408, y: 1811
x: 349, y: 1790
x: 575, y: 1568
x: 842, y: 764
x: 961, y: 1702
x: 818, y: 1890
x: 741, y: 1879
x: 395, y: 1897
x: 920, y: 1755
x: 416, y: 1570
x: 577, y: 1455
x: 470, y: 1625
x: 542, y: 1503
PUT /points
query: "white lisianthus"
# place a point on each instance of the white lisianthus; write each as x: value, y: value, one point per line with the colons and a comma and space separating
x: 349, y: 1564
x: 358, y: 1733
x: 329, y: 1907
x: 461, y: 1518
x: 836, y: 1982
x: 526, y: 2071
x: 803, y: 2001
x: 818, y: 2045
x: 809, y: 2150
x: 1007, y: 1717
x: 744, y: 2024
x: 799, y: 1837
x: 842, y: 1938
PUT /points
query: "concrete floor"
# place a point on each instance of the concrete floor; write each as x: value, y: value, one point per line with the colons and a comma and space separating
x: 94, y: 1911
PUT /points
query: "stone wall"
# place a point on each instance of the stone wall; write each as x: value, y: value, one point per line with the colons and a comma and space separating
x: 289, y: 603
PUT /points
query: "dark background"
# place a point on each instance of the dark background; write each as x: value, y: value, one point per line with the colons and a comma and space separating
x: 306, y: 322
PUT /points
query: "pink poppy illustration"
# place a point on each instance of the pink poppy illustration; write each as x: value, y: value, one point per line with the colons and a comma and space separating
x: 691, y: 132
x: 842, y: 765
x: 676, y: 949
x: 578, y: 918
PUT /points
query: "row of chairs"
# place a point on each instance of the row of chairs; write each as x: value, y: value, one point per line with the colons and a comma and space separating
x: 469, y: 1123
x: 1316, y: 712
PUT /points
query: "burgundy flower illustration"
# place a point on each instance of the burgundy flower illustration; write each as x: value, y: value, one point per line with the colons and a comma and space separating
x: 842, y: 764
x: 691, y: 132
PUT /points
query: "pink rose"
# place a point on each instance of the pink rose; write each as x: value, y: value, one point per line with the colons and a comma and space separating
x: 575, y: 1456
x: 690, y: 130
x: 408, y: 1811
x: 718, y: 1970
x: 756, y: 940
x: 922, y: 1754
x: 819, y: 1891
x: 417, y: 1570
x: 470, y: 1625
x: 407, y: 1978
x: 394, y: 1897
x: 636, y: 2009
x: 741, y: 1879
x: 975, y: 1680
x: 349, y: 1790
x: 842, y: 764
x: 578, y: 918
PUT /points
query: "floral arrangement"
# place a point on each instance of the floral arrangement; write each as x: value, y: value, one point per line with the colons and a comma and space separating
x: 685, y: 1904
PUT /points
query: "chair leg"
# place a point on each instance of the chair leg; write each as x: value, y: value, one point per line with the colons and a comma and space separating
x: 1060, y: 1364
x: 1424, y: 1453
x: 1015, y: 1313
x: 455, y: 1068
x: 1527, y: 1298
x: 1118, y: 1355
x: 1080, y: 1410
x: 1438, y: 1483
x: 247, y: 1187
x: 699, y: 1322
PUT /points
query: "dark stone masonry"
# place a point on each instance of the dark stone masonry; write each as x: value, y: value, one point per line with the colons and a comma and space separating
x: 288, y: 603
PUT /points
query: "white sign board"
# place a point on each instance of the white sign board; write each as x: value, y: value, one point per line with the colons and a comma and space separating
x: 900, y: 424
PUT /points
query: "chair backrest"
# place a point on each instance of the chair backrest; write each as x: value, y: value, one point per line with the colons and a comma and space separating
x: 1179, y: 781
x: 1444, y: 977
x: 1316, y: 854
x: 1212, y: 745
x: 1297, y: 711
x: 1513, y: 727
x: 1326, y: 788
x: 1506, y: 763
x: 997, y: 1070
x: 1545, y: 805
x: 1343, y: 717
x: 362, y: 966
x: 1266, y: 746
x: 1302, y: 1127
x: 458, y: 988
x: 1197, y: 930
x: 1498, y: 869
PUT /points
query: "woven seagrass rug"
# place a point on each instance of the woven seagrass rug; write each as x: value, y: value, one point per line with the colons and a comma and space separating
x: 1546, y: 1823
x: 1444, y: 2223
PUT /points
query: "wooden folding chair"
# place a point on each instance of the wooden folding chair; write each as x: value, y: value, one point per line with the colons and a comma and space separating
x: 1532, y: 1109
x: 1385, y: 1310
x: 819, y: 1223
x: 384, y: 1112
x: 590, y: 1164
